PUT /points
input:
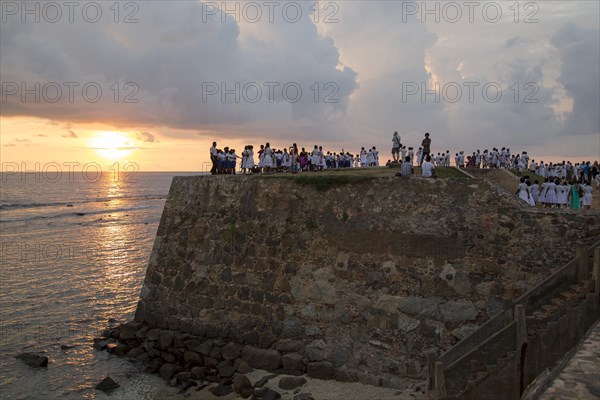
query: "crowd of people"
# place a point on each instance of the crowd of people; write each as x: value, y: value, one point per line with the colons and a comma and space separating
x: 565, y: 184
x: 292, y: 159
x: 554, y: 192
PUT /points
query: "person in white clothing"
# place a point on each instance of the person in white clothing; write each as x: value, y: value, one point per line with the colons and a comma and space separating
x: 565, y: 189
x: 530, y: 193
x: 535, y: 192
x: 586, y: 200
x: 522, y: 191
x: 427, y: 169
x: 267, y: 158
x: 315, y: 159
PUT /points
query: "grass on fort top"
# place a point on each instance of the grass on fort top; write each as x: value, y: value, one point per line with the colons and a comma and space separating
x: 324, y: 180
x: 532, y: 176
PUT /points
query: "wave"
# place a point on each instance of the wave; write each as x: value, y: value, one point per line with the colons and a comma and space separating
x: 79, y: 213
x: 15, y: 206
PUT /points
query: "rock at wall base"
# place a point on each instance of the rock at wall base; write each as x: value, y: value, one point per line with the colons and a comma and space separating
x: 34, y: 360
x: 107, y: 385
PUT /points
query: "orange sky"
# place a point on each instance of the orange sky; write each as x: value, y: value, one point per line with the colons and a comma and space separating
x: 26, y: 141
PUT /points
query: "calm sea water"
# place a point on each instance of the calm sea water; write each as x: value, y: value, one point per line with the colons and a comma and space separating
x: 73, y: 255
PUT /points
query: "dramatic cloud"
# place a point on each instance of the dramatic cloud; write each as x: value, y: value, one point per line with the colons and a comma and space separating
x: 580, y: 55
x: 179, y: 66
x: 362, y: 69
x: 146, y: 137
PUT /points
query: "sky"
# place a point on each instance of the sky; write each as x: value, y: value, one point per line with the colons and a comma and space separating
x: 151, y: 84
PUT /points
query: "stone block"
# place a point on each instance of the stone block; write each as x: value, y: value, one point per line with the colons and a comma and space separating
x: 261, y: 358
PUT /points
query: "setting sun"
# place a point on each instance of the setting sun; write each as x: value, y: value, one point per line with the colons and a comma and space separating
x: 111, y: 145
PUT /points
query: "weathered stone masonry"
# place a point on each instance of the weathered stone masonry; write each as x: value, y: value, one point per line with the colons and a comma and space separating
x: 353, y: 283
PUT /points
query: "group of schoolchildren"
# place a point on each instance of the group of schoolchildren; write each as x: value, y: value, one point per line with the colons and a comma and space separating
x: 565, y: 184
x: 290, y: 159
x: 553, y: 193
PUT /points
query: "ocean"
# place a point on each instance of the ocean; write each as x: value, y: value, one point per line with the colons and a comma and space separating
x: 73, y: 256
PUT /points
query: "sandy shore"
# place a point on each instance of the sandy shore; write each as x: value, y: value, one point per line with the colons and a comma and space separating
x: 319, y: 389
x: 147, y: 386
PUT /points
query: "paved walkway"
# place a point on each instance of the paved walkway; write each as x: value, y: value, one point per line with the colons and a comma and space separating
x: 580, y: 379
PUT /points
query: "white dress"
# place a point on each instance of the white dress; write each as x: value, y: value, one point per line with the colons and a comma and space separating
x: 363, y: 158
x: 543, y: 191
x: 551, y: 193
x: 523, y: 193
x: 565, y: 194
x: 250, y: 159
x: 286, y: 161
x: 542, y: 171
x: 370, y: 158
x: 530, y: 196
x: 261, y: 159
x: 244, y: 159
x: 267, y: 161
x: 587, y: 196
x: 535, y: 192
x: 315, y: 160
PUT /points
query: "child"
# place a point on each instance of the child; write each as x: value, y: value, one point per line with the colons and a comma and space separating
x: 586, y: 201
x: 535, y: 191
x: 529, y: 195
x: 574, y: 196
x: 522, y: 191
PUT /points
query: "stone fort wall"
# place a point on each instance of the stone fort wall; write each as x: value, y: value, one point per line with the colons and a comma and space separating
x: 356, y: 282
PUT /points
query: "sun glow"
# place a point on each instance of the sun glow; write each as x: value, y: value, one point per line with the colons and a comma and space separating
x: 111, y: 145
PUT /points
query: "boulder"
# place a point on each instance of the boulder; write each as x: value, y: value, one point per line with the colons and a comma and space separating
x: 292, y: 328
x: 231, y: 351
x: 458, y: 311
x: 261, y: 358
x: 153, y: 334
x: 34, y: 360
x: 242, y: 386
x: 266, y: 340
x: 183, y: 377
x: 136, y: 352
x: 102, y: 344
x: 406, y: 323
x: 293, y: 362
x: 343, y: 375
x: 425, y: 306
x: 291, y: 382
x: 316, y: 350
x: 166, y: 338
x: 128, y: 330
x: 191, y: 357
x: 320, y: 370
x: 226, y: 371
x: 199, y: 373
x: 393, y: 381
x: 107, y: 385
x: 221, y: 390
x: 140, y: 334
x: 263, y: 381
x: 267, y: 394
x: 168, y: 370
x: 243, y: 367
x: 464, y: 331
